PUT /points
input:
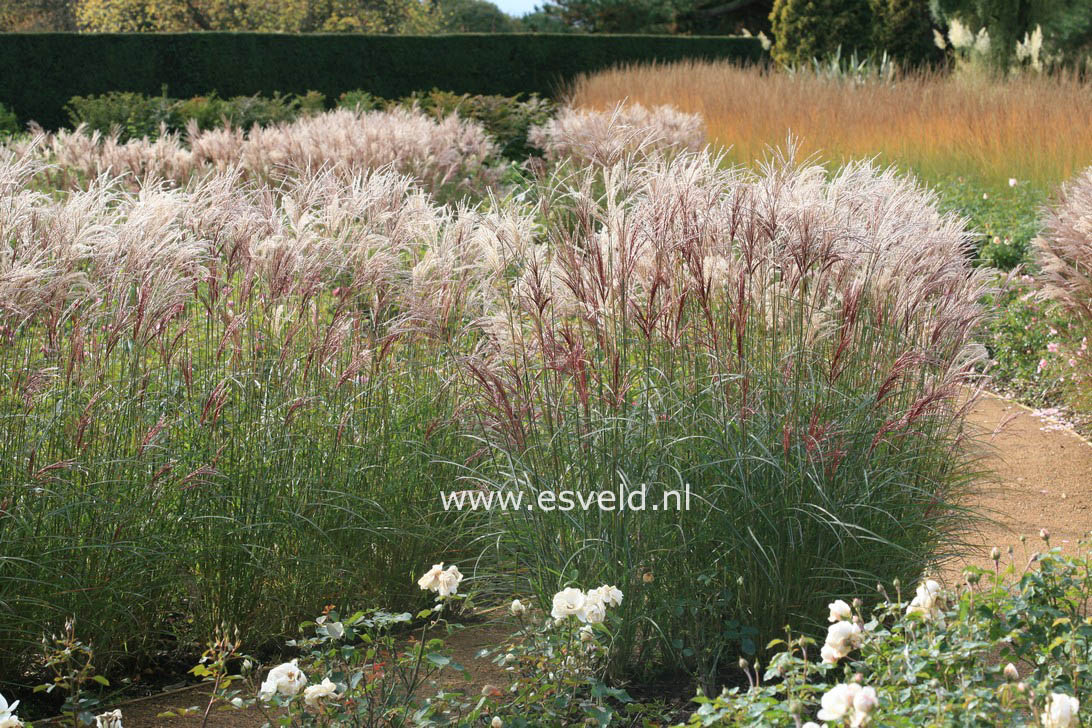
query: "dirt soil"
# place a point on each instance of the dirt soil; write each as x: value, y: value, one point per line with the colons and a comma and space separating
x: 1043, y: 479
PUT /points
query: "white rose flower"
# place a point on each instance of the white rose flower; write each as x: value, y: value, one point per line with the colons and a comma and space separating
x: 496, y: 722
x: 567, y: 603
x: 286, y: 679
x: 315, y: 694
x: 517, y: 608
x: 448, y: 581
x: 610, y: 595
x: 594, y: 610
x: 111, y: 719
x: 864, y: 702
x: 829, y: 654
x: 586, y: 633
x: 431, y: 580
x: 7, y: 714
x: 928, y: 601
x: 1061, y: 711
x: 839, y: 611
x: 842, y: 638
x: 838, y: 701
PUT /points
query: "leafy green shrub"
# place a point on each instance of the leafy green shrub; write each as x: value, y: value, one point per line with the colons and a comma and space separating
x: 133, y: 115
x: 1012, y: 648
x: 809, y: 29
x: 904, y: 30
x: 360, y: 101
x: 507, y: 119
x: 9, y: 122
x: 137, y: 116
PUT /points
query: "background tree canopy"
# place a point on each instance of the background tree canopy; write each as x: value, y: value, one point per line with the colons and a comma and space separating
x: 1066, y: 24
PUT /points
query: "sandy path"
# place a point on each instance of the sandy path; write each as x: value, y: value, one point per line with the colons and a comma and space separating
x: 1042, y: 479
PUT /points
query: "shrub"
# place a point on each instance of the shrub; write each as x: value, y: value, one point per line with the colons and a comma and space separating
x: 816, y: 29
x: 360, y: 101
x: 507, y: 119
x: 786, y: 348
x: 1009, y: 649
x: 9, y: 122
x: 134, y: 116
x: 904, y: 30
x: 604, y: 137
x: 129, y: 115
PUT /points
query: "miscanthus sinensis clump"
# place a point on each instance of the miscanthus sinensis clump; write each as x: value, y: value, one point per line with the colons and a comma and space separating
x: 605, y: 137
x: 831, y: 316
x: 449, y: 155
x: 1063, y: 252
x: 1064, y: 249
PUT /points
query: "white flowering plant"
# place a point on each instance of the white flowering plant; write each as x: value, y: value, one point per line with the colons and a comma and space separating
x: 72, y: 662
x: 558, y: 662
x: 364, y: 670
x: 1008, y: 648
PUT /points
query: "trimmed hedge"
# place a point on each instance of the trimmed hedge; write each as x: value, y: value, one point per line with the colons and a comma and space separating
x: 39, y: 72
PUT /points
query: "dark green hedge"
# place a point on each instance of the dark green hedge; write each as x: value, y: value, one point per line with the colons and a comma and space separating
x: 39, y: 72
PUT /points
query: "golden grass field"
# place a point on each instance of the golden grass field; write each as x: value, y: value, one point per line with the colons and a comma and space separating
x: 1033, y: 128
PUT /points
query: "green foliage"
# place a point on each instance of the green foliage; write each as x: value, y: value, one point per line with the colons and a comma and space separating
x: 621, y: 16
x: 280, y: 16
x: 506, y: 118
x: 808, y: 29
x: 1066, y: 24
x: 385, y: 65
x: 1006, y: 219
x: 715, y: 17
x: 546, y: 19
x: 71, y: 663
x: 360, y: 101
x: 9, y: 122
x: 136, y: 115
x: 1017, y: 340
x: 904, y: 30
x: 379, y: 678
x: 947, y: 668
x: 475, y: 16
